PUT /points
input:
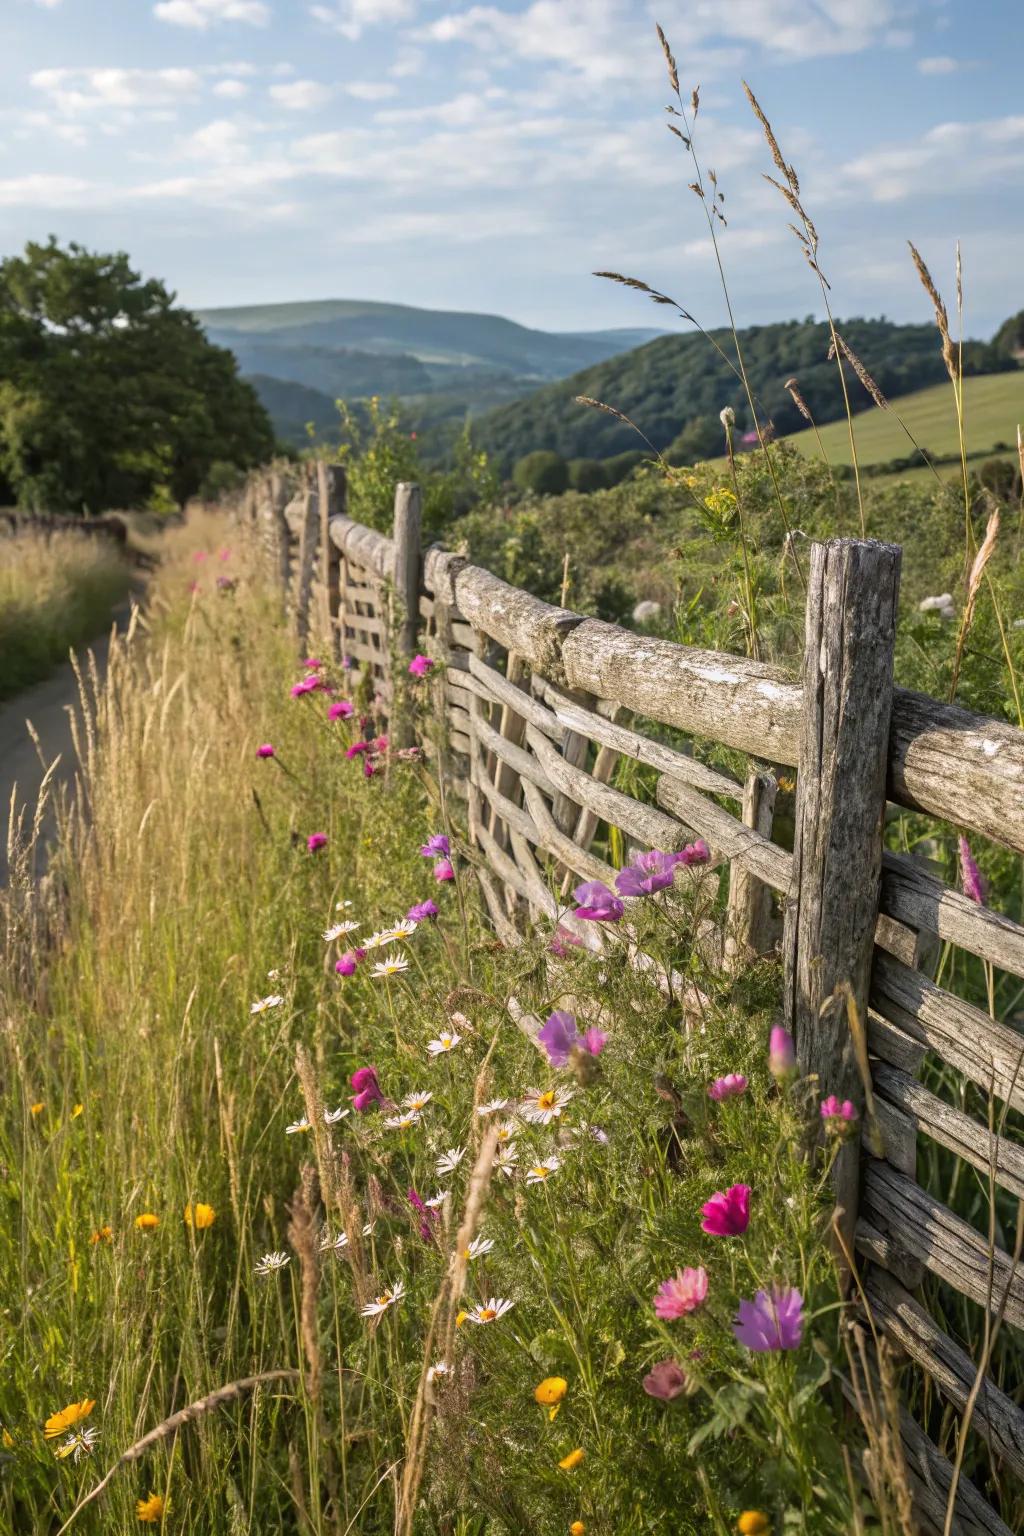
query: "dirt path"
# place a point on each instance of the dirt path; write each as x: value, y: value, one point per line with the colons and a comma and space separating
x: 47, y: 706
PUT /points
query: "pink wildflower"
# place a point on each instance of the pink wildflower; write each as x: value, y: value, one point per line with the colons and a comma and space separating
x: 781, y: 1054
x: 665, y: 1380
x: 562, y: 941
x: 839, y: 1117
x: 593, y: 1041
x: 423, y: 911
x: 727, y: 1214
x: 971, y: 876
x: 420, y: 666
x: 339, y: 710
x: 682, y: 1294
x: 265, y: 751
x: 306, y: 685
x: 367, y: 1088
x: 597, y: 903
x: 436, y: 846
x: 694, y: 853
x: 728, y: 1087
x: 315, y: 841
x: 443, y: 870
x: 349, y: 960
x: 770, y: 1322
x: 646, y: 873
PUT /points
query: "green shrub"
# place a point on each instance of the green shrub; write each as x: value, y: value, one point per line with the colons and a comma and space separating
x: 543, y: 473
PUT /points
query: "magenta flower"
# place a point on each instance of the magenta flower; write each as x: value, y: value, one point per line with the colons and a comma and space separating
x: 839, y: 1118
x: 306, y: 685
x: 367, y: 1088
x: 769, y: 1322
x: 420, y: 666
x: 593, y: 1041
x: 781, y: 1054
x: 682, y: 1294
x: 665, y: 1380
x: 562, y: 941
x: 340, y: 710
x: 312, y: 662
x: 265, y: 751
x: 558, y: 1037
x: 646, y: 873
x: 200, y: 555
x: 350, y: 959
x: 597, y: 903
x: 694, y: 853
x: 315, y: 841
x: 358, y: 749
x: 443, y: 870
x: 728, y: 1087
x: 424, y: 911
x: 971, y: 877
x: 727, y: 1214
x: 427, y: 1216
x: 436, y: 847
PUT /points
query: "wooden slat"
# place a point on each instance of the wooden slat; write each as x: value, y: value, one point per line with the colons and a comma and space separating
x: 363, y: 546
x: 918, y: 899
x: 525, y: 764
x: 569, y: 852
x: 727, y: 837
x: 498, y: 688
x: 950, y: 1127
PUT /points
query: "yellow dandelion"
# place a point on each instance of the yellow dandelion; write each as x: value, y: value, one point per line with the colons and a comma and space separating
x: 202, y: 1217
x: 753, y: 1523
x: 550, y: 1391
x: 73, y: 1414
x: 571, y: 1462
x: 102, y: 1235
x: 37, y: 1109
x: 151, y: 1511
x: 147, y: 1222
x: 77, y: 1111
x: 460, y: 1318
x: 577, y: 1528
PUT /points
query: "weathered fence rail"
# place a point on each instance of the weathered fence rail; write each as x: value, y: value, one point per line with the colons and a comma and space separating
x: 539, y: 705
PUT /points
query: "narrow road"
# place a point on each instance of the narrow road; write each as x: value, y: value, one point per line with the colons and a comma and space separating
x: 48, y: 707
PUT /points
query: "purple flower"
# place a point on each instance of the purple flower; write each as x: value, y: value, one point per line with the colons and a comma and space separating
x: 420, y: 666
x: 694, y: 853
x: 311, y: 663
x: 423, y: 911
x: 427, y: 1216
x: 971, y: 876
x: 646, y: 873
x: 367, y: 1088
x: 562, y: 941
x: 774, y: 1321
x: 265, y: 751
x: 307, y: 685
x: 443, y: 870
x: 558, y: 1037
x: 339, y: 711
x: 597, y: 902
x: 315, y: 841
x: 593, y: 1042
x: 436, y: 847
x: 781, y: 1054
x: 665, y: 1380
x: 349, y: 960
x: 727, y: 1214
x: 728, y: 1087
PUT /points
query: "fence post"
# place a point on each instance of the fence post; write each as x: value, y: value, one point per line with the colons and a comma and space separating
x: 407, y: 578
x: 852, y: 598
x: 332, y: 491
x: 309, y: 532
x: 279, y: 531
x: 748, y: 918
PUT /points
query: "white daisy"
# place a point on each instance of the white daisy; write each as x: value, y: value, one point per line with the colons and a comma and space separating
x: 271, y: 1263
x: 77, y: 1445
x: 369, y: 1228
x: 416, y: 1101
x: 274, y: 975
x: 297, y: 1127
x: 404, y: 929
x: 450, y: 1161
x: 403, y: 1122
x: 507, y: 1130
x: 338, y: 931
x: 436, y: 1201
x: 385, y: 1300
x: 544, y: 1107
x: 492, y: 1107
x: 478, y: 1247
x: 506, y: 1159
x: 329, y: 1244
x: 488, y: 1312
x: 379, y: 939
x: 540, y: 1172
x: 263, y: 1003
x: 332, y: 1116
x: 443, y: 1044
x: 342, y: 906
x: 391, y: 967
x: 440, y: 1368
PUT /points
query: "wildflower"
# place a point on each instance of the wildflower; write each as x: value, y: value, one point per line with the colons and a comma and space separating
x: 593, y: 1041
x: 403, y: 1122
x: 346, y: 965
x: 340, y: 710
x: 338, y: 930
x: 694, y: 853
x: 667, y: 1380
x: 102, y: 1235
x: 423, y: 912
x: 265, y: 751
x: 403, y: 929
x: 436, y: 1201
x: 571, y: 1462
x: 151, y: 1511
x: 492, y: 1106
x: 77, y: 1445
x: 646, y: 873
x: 385, y: 1300
x: 562, y: 941
x: 597, y: 903
x: 68, y: 1417
x: 753, y: 1523
x: 577, y: 1528
x: 262, y: 1004
x: 329, y: 1244
x: 76, y: 1111
x: 550, y: 1391
x: 541, y: 1172
x: 417, y: 1101
x: 506, y: 1159
x: 315, y: 841
x: 274, y: 975
x: 378, y: 940
x: 332, y: 1116
x: 201, y: 1217
x: 306, y: 685
x: 971, y: 876
x: 436, y: 847
x: 367, y: 1088
x: 297, y: 1127
x: 542, y: 1108
x: 392, y: 967
x: 489, y: 1311
x: 682, y: 1294
x: 781, y: 1054
x: 728, y: 1214
x: 439, y: 1368
x: 461, y: 1317
x: 449, y: 1161
x: 36, y: 1109
x: 506, y: 1130
x: 770, y: 1322
x: 311, y: 663
x: 147, y: 1222
x: 443, y: 870
x: 728, y: 1087
x: 420, y: 666
x: 271, y: 1263
x: 558, y: 1037
x: 444, y: 1043
x: 839, y: 1118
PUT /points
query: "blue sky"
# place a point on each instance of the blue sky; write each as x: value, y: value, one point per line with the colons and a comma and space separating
x: 491, y: 155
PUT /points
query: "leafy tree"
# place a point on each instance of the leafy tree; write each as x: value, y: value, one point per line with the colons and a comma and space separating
x: 543, y: 472
x: 111, y: 395
x: 587, y: 475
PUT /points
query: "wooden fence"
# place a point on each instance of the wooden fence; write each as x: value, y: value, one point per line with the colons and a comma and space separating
x: 539, y: 705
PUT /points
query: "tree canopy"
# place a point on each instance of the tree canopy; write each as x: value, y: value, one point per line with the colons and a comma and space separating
x: 110, y: 394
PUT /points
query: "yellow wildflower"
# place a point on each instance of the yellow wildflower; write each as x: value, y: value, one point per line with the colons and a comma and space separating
x: 570, y: 1462
x: 37, y: 1109
x: 202, y: 1217
x: 102, y: 1235
x: 577, y: 1528
x: 147, y: 1221
x: 753, y: 1523
x: 151, y: 1511
x: 460, y: 1318
x: 76, y: 1111
x: 73, y: 1414
x: 551, y: 1390
x: 6, y: 1439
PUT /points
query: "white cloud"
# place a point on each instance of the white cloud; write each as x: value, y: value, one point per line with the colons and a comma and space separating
x: 352, y: 17
x: 76, y: 91
x: 954, y: 156
x: 231, y: 90
x: 940, y: 64
x: 371, y: 90
x: 48, y: 5
x: 220, y: 142
x: 300, y: 95
x: 40, y: 191
x: 201, y: 14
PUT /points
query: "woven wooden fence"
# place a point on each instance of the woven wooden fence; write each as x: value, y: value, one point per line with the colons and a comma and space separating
x: 539, y: 705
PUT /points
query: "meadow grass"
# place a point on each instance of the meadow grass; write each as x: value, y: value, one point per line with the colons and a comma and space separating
x: 142, y: 1082
x: 57, y: 590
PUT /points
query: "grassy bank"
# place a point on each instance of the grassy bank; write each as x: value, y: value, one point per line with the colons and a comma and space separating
x: 57, y: 590
x: 146, y: 1082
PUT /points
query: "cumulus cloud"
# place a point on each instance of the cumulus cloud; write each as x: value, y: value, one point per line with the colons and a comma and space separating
x: 352, y: 17
x: 300, y: 95
x: 201, y: 14
x: 954, y: 156
x: 371, y: 90
x: 76, y: 91
x: 939, y: 64
x: 231, y: 90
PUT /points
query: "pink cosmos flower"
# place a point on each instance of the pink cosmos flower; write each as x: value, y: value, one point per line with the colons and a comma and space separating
x: 339, y: 710
x: 727, y: 1214
x: 443, y: 870
x: 771, y: 1321
x: 358, y: 749
x: 315, y: 841
x: 562, y: 941
x: 593, y: 1041
x: 665, y: 1380
x: 781, y: 1054
x: 597, y: 903
x: 420, y: 666
x: 436, y: 847
x: 682, y: 1294
x: 694, y: 853
x: 312, y: 662
x: 728, y: 1087
x: 350, y: 959
x: 839, y: 1117
x: 423, y: 911
x: 306, y: 685
x: 971, y: 877
x: 367, y: 1088
x: 558, y: 1037
x: 265, y: 751
x: 646, y: 873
